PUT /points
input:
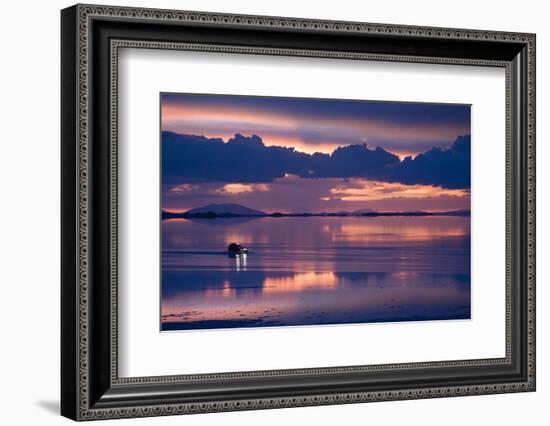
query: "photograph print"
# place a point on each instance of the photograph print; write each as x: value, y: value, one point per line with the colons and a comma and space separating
x: 280, y: 211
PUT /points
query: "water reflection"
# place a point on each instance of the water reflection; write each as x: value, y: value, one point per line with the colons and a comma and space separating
x: 240, y: 262
x: 315, y: 271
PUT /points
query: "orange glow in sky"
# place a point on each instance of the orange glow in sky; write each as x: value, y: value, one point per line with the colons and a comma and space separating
x: 280, y: 129
x: 368, y: 190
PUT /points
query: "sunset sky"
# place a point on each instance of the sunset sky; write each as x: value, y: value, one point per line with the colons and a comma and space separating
x: 230, y: 165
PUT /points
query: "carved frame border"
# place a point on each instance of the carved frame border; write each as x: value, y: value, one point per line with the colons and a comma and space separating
x: 85, y: 13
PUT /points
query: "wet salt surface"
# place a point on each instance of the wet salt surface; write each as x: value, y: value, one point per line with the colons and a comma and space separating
x: 310, y: 271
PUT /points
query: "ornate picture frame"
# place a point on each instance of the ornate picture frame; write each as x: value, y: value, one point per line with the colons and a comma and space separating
x: 91, y: 37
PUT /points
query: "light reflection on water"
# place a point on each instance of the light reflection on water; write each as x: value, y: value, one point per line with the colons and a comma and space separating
x: 314, y: 271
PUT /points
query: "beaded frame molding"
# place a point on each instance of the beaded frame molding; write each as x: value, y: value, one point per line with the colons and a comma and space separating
x: 91, y: 39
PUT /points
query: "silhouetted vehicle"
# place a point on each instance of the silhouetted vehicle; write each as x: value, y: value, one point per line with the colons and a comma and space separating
x: 236, y: 249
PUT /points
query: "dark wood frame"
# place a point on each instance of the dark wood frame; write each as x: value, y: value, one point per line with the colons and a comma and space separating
x: 90, y: 386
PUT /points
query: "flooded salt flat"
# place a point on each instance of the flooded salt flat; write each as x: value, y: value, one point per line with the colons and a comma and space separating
x: 314, y: 270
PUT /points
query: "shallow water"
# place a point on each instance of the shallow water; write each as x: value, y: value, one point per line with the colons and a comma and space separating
x: 314, y: 270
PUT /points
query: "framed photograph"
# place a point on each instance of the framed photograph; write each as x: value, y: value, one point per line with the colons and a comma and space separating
x: 263, y: 212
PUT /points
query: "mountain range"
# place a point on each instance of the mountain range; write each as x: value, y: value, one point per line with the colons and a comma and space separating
x: 212, y: 211
x: 234, y: 209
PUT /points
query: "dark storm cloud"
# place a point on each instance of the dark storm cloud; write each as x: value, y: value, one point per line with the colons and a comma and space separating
x: 188, y: 158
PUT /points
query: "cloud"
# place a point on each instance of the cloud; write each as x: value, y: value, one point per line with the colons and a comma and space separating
x: 449, y: 168
x: 187, y: 159
x: 293, y: 194
x: 313, y: 124
x: 368, y: 190
x: 184, y: 187
x: 239, y: 188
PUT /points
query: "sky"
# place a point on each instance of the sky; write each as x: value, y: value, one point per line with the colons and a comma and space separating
x: 303, y: 154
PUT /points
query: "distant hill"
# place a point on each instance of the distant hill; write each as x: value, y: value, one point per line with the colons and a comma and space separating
x: 456, y: 213
x: 225, y: 209
x: 361, y: 211
x: 418, y: 213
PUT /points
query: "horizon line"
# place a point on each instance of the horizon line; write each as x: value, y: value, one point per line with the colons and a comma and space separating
x: 312, y: 213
